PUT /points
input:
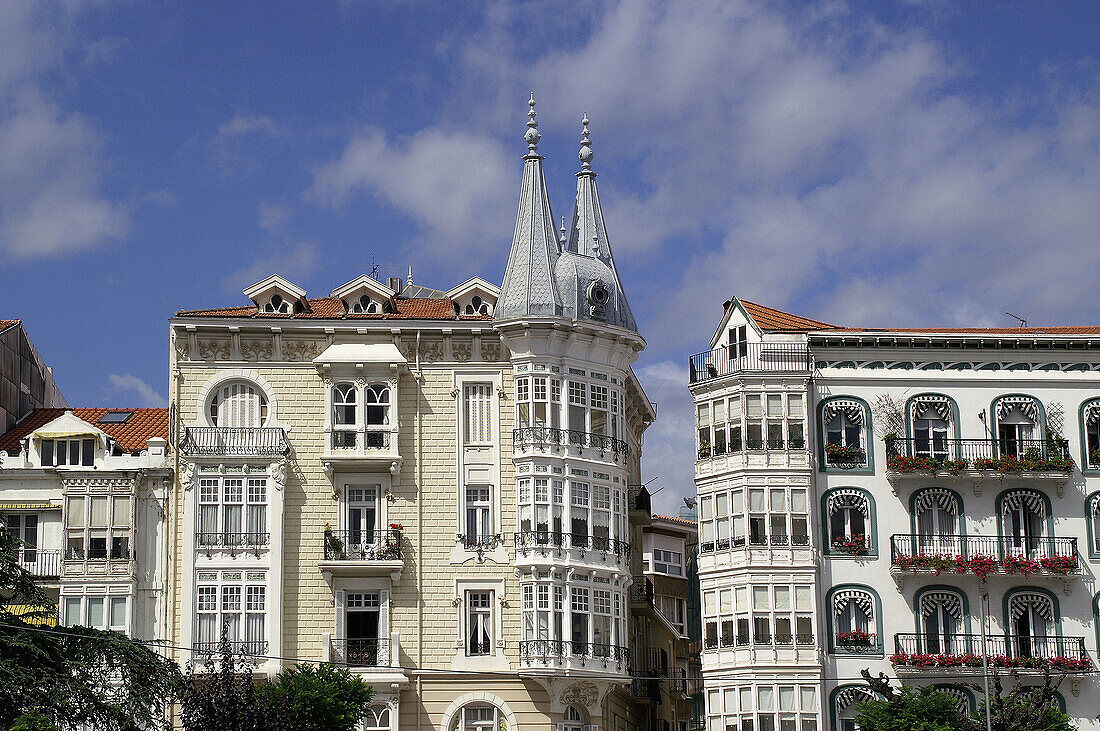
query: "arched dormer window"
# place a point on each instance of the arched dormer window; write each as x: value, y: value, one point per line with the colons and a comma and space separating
x: 364, y: 305
x: 849, y: 515
x: 1024, y: 514
x: 477, y: 306
x: 844, y: 427
x: 277, y: 305
x: 238, y: 404
x: 1019, y: 430
x: 941, y: 622
x: 1032, y: 625
x: 930, y: 418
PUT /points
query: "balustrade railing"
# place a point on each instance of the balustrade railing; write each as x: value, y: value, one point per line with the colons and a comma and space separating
x: 41, y: 561
x: 361, y: 653
x: 546, y: 540
x: 240, y: 648
x: 253, y: 539
x: 564, y: 649
x: 234, y: 440
x: 550, y: 436
x: 363, y: 545
x: 932, y: 649
x: 1045, y: 453
x: 749, y: 358
x: 351, y: 440
x: 1054, y: 553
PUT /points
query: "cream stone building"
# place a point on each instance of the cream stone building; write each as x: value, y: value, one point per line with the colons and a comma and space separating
x: 437, y: 489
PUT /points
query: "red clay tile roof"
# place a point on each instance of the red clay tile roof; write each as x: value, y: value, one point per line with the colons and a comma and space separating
x: 331, y: 308
x: 675, y: 520
x: 5, y: 324
x: 132, y: 435
x: 769, y: 318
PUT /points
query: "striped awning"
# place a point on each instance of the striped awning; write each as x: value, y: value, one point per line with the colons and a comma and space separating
x: 946, y: 599
x: 1027, y: 406
x: 861, y: 599
x: 848, y: 498
x: 1092, y: 412
x: 850, y: 408
x: 65, y: 434
x: 848, y: 696
x: 21, y: 610
x: 936, y: 497
x: 29, y: 506
x: 1023, y: 602
x: 927, y: 407
x: 1026, y: 499
x: 958, y: 694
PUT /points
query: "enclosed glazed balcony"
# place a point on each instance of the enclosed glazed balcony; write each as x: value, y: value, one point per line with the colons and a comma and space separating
x: 555, y: 655
x: 545, y: 439
x: 551, y: 547
x: 234, y: 441
x: 749, y: 358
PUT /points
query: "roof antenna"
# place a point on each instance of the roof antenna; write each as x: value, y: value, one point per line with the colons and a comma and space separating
x: 1022, y: 321
x: 373, y: 268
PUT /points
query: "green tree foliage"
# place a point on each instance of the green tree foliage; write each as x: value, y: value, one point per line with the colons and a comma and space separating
x: 1020, y: 708
x: 71, y: 675
x: 226, y: 696
x: 31, y: 721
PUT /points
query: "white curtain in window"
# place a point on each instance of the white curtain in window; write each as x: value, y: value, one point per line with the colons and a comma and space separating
x: 478, y: 406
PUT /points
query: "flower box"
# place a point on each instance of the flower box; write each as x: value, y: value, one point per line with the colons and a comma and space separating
x: 841, y: 454
x: 852, y: 545
x: 856, y: 637
x: 1022, y: 565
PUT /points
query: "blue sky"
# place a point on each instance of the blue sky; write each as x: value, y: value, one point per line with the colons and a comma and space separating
x: 862, y: 162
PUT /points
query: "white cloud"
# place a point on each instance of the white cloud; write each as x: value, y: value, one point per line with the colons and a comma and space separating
x: 244, y: 124
x: 274, y: 217
x: 130, y: 384
x: 299, y: 261
x: 51, y: 162
x: 459, y: 187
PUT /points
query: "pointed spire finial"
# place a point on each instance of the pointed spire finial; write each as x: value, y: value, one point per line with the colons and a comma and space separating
x: 563, y: 229
x: 532, y: 136
x: 410, y: 276
x: 586, y: 146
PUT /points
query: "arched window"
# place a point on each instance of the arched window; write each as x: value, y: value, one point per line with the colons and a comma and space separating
x: 1024, y: 523
x: 363, y: 305
x: 844, y: 422
x: 574, y: 719
x: 937, y: 516
x: 931, y: 417
x: 847, y: 702
x: 479, y: 717
x: 476, y: 306
x: 1018, y: 428
x: 277, y: 305
x: 941, y: 621
x: 1031, y: 616
x: 962, y: 698
x: 1093, y: 517
x: 238, y: 404
x: 378, y: 415
x: 345, y: 407
x: 377, y: 719
x: 854, y: 620
x: 1090, y: 413
x: 849, y: 516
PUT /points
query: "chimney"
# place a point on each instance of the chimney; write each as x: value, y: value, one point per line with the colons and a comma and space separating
x: 396, y: 284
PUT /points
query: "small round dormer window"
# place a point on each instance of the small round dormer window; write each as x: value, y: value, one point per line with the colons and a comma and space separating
x: 598, y: 294
x: 277, y: 304
x: 363, y: 305
x: 476, y: 306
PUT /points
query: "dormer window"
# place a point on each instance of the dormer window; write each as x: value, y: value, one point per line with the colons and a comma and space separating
x: 67, y: 452
x: 363, y: 306
x: 278, y: 305
x: 476, y: 306
x: 474, y: 298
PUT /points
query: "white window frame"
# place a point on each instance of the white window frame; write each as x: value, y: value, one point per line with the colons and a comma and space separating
x: 479, y: 604
x: 224, y: 586
x: 83, y: 446
x: 213, y: 497
x: 114, y: 531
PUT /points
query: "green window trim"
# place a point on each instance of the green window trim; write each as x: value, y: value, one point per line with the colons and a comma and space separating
x: 1006, y: 614
x: 1090, y: 500
x: 958, y: 501
x: 826, y: 527
x: 955, y: 425
x: 869, y: 438
x: 1082, y: 431
x: 830, y: 616
x: 941, y: 587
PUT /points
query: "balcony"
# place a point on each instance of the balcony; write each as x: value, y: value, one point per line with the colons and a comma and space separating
x: 749, y: 358
x: 547, y: 544
x: 977, y: 458
x: 543, y: 438
x: 363, y: 553
x: 204, y: 651
x: 41, y: 562
x: 798, y: 541
x: 857, y: 642
x: 640, y: 504
x: 983, y: 556
x: 641, y: 593
x: 932, y: 654
x: 97, y: 558
x: 227, y: 441
x: 555, y: 655
x: 363, y: 444
x: 253, y: 541
x: 361, y: 653
x: 645, y: 686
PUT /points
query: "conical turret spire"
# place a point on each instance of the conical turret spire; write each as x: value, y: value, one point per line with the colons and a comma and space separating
x: 529, y: 287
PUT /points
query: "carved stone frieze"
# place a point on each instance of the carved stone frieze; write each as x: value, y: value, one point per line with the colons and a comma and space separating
x: 214, y: 349
x: 462, y: 352
x: 301, y: 350
x: 254, y: 350
x: 583, y: 694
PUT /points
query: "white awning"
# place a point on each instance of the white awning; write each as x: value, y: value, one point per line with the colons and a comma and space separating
x: 357, y: 353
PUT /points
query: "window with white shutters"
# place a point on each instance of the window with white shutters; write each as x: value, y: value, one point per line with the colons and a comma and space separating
x: 479, y: 410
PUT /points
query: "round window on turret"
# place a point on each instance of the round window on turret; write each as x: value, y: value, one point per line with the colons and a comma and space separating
x: 598, y: 294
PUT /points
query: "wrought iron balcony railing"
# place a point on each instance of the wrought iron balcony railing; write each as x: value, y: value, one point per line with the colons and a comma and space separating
x: 550, y: 437
x: 863, y: 643
x: 639, y: 498
x: 949, y: 650
x: 240, y: 648
x: 965, y: 553
x: 361, y: 653
x: 749, y: 358
x: 234, y: 440
x: 44, y: 562
x: 546, y: 540
x: 1046, y: 454
x: 641, y: 591
x: 563, y: 649
x: 253, y: 539
x: 645, y: 685
x: 361, y: 440
x: 363, y: 545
